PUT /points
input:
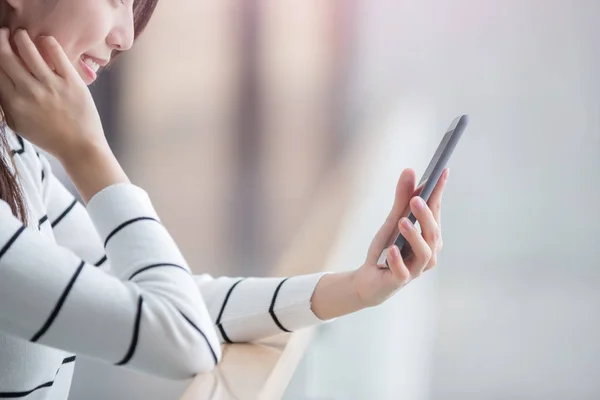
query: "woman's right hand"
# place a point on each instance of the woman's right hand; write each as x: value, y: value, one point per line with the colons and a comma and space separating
x: 45, y: 100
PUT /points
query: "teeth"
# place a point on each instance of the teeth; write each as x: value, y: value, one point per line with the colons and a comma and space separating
x: 91, y: 63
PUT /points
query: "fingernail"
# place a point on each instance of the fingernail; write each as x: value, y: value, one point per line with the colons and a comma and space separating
x: 420, y: 202
x: 395, y: 251
x: 405, y: 222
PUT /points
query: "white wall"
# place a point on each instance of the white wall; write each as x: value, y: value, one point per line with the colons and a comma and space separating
x: 517, y: 305
x: 517, y: 300
x: 363, y: 355
x: 518, y: 295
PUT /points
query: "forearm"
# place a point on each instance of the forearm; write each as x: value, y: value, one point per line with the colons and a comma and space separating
x: 335, y: 295
x: 93, y: 169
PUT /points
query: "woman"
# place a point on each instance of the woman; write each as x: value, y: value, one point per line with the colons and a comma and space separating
x: 107, y: 280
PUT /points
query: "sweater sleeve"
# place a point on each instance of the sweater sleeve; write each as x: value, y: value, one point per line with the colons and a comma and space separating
x: 242, y: 309
x: 148, y: 315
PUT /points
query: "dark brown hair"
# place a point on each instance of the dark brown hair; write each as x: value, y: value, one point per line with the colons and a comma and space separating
x: 10, y: 190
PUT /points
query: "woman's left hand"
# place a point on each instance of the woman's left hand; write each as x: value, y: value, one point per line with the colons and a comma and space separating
x: 375, y: 283
x: 343, y: 293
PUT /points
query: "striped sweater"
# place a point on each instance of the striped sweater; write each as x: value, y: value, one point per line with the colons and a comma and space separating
x: 107, y: 281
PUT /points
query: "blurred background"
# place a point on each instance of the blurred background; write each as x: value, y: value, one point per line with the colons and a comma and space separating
x: 230, y: 114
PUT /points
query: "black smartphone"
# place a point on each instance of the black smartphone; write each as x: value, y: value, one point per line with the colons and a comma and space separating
x: 428, y: 181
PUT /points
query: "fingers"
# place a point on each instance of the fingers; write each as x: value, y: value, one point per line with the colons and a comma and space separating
x: 397, y: 266
x: 419, y: 189
x: 429, y: 217
x: 32, y: 57
x: 57, y: 57
x: 430, y: 229
x: 435, y: 200
x: 10, y: 62
x: 44, y: 53
x: 422, y: 252
x: 7, y: 86
x: 404, y: 191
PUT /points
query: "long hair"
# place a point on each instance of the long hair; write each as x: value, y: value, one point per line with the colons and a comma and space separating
x: 10, y: 190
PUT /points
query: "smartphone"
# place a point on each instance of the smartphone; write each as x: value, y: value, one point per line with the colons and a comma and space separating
x: 428, y: 181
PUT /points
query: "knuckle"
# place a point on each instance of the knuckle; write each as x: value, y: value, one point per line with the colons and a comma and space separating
x: 420, y: 256
x: 437, y: 234
x: 432, y: 261
x: 430, y: 266
x: 403, y: 275
x: 426, y: 254
x: 431, y: 237
x: 38, y: 94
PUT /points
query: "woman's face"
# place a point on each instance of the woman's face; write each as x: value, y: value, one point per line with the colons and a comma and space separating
x: 88, y: 30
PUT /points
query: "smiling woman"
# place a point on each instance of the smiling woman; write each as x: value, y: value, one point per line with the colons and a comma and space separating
x: 96, y: 40
x: 88, y: 31
x: 107, y: 280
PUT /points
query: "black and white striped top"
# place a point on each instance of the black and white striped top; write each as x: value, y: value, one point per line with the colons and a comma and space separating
x: 109, y: 282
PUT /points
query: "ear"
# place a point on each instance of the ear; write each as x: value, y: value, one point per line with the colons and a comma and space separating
x: 15, y: 5
x: 9, y: 9
x: 13, y: 11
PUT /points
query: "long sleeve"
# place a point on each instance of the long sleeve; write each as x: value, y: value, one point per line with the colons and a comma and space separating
x: 147, y: 315
x: 242, y: 309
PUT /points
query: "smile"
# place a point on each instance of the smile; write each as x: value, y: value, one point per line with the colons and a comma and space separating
x: 93, y: 65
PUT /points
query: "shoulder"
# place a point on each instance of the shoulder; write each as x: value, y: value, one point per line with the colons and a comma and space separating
x: 21, y: 149
x: 26, y: 155
x: 29, y: 169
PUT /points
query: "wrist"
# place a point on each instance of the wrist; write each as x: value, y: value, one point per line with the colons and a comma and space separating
x: 92, y: 168
x: 78, y: 155
x: 336, y: 295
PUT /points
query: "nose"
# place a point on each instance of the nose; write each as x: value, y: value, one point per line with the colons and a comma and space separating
x: 121, y: 36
